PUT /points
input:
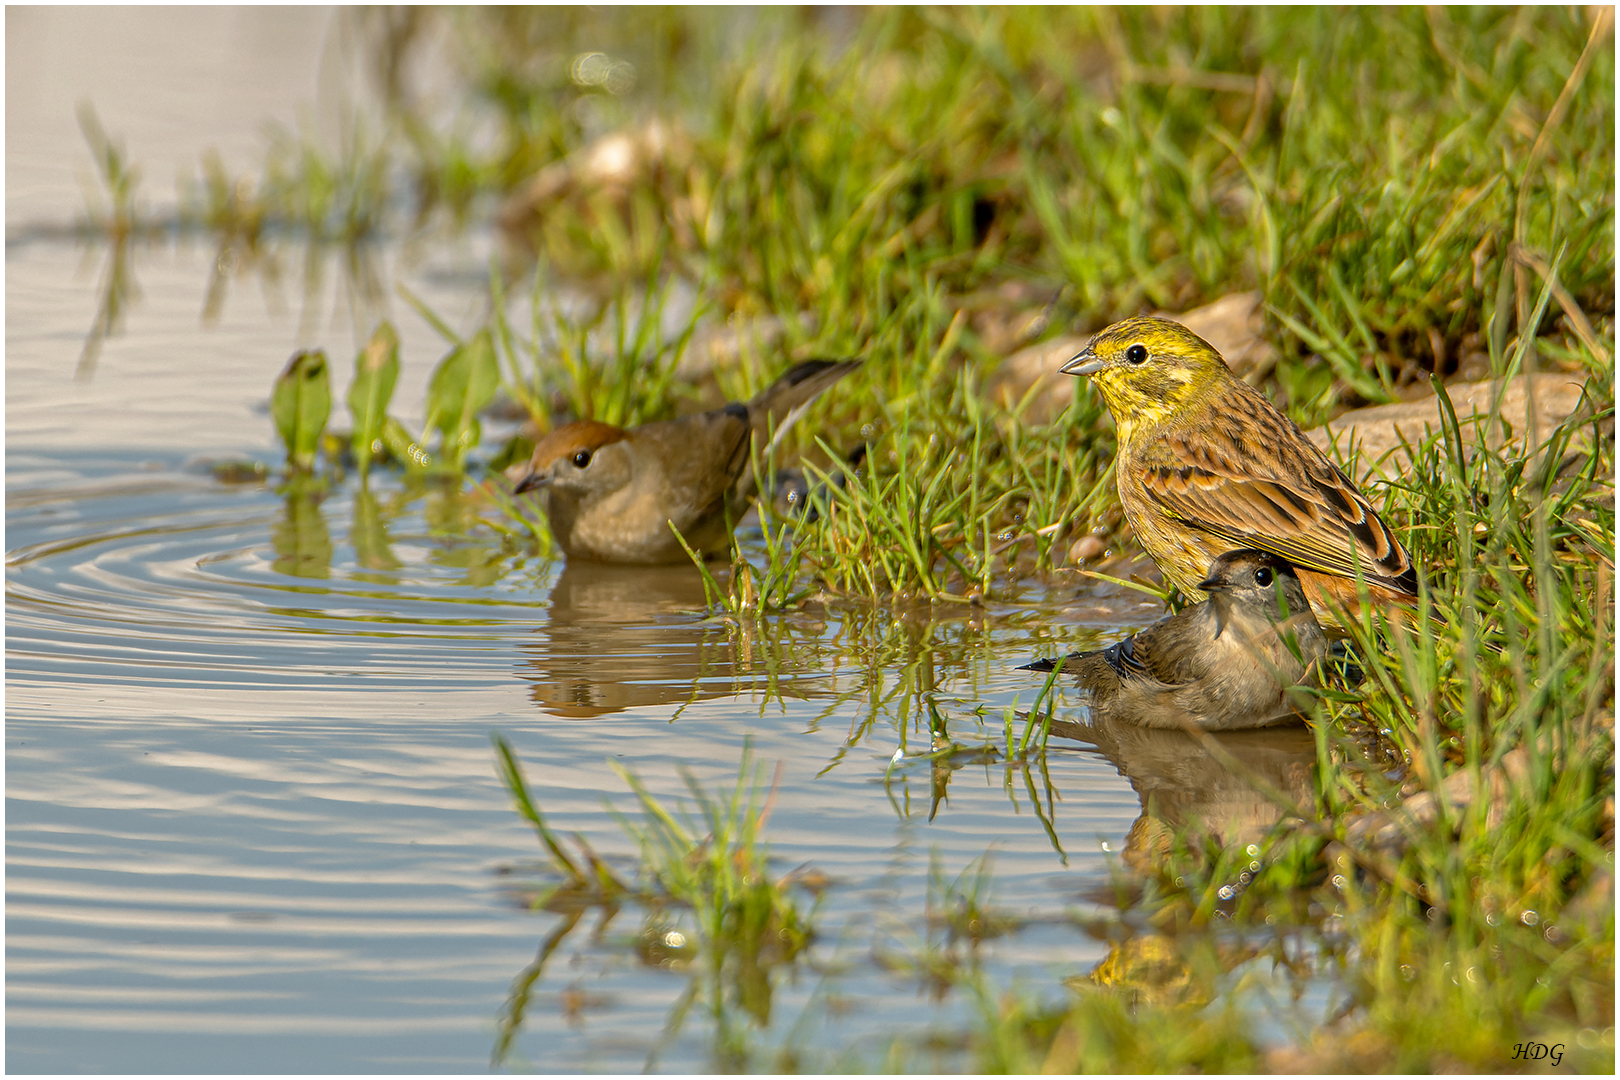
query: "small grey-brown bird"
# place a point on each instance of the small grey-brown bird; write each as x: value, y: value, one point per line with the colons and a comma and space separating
x: 1223, y: 665
x: 611, y: 494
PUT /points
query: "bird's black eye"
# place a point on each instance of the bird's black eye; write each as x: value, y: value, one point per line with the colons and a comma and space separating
x: 1262, y: 576
x: 1137, y: 354
x: 582, y: 459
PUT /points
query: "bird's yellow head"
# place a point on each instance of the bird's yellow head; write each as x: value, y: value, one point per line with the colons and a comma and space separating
x: 1148, y: 369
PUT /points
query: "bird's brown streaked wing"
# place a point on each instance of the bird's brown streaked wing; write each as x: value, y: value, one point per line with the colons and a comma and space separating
x: 1255, y: 482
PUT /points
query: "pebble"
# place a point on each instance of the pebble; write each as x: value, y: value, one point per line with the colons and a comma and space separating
x: 1088, y: 547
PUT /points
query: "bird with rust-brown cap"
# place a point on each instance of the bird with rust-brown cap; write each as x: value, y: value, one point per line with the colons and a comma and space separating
x: 1207, y: 465
x: 612, y: 494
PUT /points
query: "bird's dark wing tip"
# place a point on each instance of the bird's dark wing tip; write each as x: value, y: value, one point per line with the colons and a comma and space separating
x: 809, y: 368
x: 1121, y: 656
x: 1046, y: 664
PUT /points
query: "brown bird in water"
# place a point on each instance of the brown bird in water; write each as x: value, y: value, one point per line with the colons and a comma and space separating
x: 1207, y: 464
x: 1223, y: 665
x: 612, y: 494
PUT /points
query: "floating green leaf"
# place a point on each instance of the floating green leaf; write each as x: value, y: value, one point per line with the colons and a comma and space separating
x: 462, y: 385
x: 376, y: 370
x: 300, y: 405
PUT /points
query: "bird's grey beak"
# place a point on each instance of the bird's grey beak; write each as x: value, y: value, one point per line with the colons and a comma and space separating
x: 1219, y: 602
x: 531, y: 482
x: 1086, y: 363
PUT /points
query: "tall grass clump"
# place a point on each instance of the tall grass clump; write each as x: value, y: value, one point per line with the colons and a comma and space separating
x: 1498, y: 913
x: 955, y: 500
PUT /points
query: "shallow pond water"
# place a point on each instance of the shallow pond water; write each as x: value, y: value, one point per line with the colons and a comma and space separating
x: 253, y: 820
x: 250, y: 785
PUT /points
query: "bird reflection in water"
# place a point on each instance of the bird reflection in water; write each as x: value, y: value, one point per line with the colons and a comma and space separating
x: 1190, y: 789
x: 620, y: 637
x: 1185, y: 786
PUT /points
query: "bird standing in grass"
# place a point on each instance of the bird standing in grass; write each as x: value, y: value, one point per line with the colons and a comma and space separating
x: 1223, y: 665
x: 611, y: 494
x: 1207, y: 465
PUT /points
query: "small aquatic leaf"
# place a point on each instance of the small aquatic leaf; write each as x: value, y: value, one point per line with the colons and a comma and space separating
x: 300, y: 405
x: 462, y: 385
x: 376, y: 370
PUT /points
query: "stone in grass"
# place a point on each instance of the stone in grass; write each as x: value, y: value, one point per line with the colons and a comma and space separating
x: 610, y: 166
x: 1369, y: 442
x: 1231, y: 324
x: 1032, y: 373
x: 1387, y: 831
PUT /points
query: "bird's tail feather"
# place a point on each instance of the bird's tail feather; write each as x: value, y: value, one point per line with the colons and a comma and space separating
x: 785, y: 400
x: 775, y: 410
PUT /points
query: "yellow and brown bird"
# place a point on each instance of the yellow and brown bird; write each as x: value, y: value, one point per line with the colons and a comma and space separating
x: 611, y: 493
x: 1207, y: 465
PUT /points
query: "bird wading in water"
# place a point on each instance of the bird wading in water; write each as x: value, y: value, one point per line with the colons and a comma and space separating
x: 611, y: 494
x: 1223, y: 665
x: 1207, y: 465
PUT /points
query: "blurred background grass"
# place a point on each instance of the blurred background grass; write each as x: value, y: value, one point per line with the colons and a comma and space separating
x: 933, y: 189
x: 869, y: 174
x: 1367, y: 169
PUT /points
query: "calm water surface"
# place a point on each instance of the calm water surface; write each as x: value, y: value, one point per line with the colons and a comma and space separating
x: 252, y: 818
x: 250, y: 791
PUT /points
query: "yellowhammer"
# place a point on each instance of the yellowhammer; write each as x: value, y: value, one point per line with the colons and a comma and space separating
x: 1208, y: 465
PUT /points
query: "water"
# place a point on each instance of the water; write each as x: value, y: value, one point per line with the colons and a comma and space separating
x: 250, y: 790
x: 253, y: 823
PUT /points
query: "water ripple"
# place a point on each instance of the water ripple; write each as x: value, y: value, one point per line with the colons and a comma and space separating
x: 250, y: 790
